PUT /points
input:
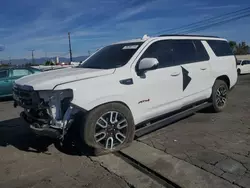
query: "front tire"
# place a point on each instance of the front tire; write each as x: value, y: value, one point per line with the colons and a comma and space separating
x: 108, y: 128
x: 219, y: 96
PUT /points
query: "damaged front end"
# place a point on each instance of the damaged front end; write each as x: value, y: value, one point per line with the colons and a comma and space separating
x: 49, y: 112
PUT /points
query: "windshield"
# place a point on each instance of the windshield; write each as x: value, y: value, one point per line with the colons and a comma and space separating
x: 112, y: 56
x: 238, y: 62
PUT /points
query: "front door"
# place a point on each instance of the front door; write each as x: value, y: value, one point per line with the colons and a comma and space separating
x: 5, y: 83
x: 158, y: 91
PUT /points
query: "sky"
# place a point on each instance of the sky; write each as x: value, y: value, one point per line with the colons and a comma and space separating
x: 43, y: 26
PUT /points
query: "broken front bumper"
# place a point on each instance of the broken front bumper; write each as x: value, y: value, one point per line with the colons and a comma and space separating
x: 49, y: 113
x: 39, y: 128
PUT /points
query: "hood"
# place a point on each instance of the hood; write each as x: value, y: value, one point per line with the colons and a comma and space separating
x: 48, y: 80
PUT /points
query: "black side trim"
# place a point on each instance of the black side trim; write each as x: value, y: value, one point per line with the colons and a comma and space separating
x: 128, y: 81
x: 153, y: 125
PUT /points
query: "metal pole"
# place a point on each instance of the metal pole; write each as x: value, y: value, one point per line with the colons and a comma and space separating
x: 33, y: 61
x: 70, y: 50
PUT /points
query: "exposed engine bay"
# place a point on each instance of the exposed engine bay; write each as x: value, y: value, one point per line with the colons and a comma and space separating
x: 47, y: 112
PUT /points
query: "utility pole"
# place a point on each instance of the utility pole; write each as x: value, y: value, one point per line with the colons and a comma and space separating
x: 32, y: 56
x: 70, y: 50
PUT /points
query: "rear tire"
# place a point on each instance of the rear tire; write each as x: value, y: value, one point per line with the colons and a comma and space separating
x: 219, y: 96
x: 108, y: 128
x: 239, y: 71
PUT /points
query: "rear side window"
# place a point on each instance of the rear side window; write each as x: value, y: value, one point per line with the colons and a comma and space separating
x: 20, y: 72
x: 220, y: 48
x: 245, y: 62
x: 201, y: 53
x: 3, y: 74
x: 183, y: 51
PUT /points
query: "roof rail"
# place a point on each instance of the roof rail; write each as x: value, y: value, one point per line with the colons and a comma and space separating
x: 178, y: 35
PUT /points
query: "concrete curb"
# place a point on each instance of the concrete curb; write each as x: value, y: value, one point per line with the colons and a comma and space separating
x: 177, y: 171
x: 132, y: 176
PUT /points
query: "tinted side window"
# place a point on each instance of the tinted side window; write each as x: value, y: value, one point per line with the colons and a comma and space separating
x: 238, y: 62
x: 162, y: 51
x: 201, y: 52
x: 245, y: 62
x: 220, y: 48
x: 3, y: 73
x: 20, y: 72
x: 183, y: 51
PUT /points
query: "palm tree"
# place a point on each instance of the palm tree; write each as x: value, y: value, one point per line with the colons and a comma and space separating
x: 239, y: 49
x: 233, y: 45
x: 242, y: 49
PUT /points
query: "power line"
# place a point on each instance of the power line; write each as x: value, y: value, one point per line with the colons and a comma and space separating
x: 217, y: 23
x: 205, y: 21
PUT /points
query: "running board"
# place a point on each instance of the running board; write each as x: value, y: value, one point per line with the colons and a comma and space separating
x: 170, y: 119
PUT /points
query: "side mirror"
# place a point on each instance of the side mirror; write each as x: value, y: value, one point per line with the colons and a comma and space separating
x: 148, y: 64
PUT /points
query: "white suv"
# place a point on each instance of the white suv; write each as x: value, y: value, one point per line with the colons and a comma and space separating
x: 129, y: 88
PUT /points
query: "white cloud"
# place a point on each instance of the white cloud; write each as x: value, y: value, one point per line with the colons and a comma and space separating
x: 130, y: 12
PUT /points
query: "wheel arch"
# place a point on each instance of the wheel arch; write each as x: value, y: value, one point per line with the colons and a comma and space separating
x: 109, y: 102
x: 224, y: 78
x: 104, y: 101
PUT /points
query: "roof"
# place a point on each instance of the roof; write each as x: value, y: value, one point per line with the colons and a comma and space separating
x: 145, y: 37
x: 131, y: 41
x: 176, y: 35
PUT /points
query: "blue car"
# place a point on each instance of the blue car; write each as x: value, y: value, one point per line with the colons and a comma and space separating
x: 9, y: 75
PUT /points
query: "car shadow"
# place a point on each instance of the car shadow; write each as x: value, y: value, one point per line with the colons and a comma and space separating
x: 16, y: 133
x: 6, y: 99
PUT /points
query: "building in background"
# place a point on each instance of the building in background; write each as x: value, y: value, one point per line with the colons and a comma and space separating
x: 57, y: 60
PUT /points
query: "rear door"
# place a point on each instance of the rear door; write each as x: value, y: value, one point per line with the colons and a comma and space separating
x: 194, y: 61
x: 5, y: 83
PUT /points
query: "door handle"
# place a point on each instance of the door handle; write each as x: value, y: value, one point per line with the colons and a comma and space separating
x: 204, y: 68
x: 175, y: 74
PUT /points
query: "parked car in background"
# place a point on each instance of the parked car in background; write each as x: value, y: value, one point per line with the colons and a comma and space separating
x: 9, y: 74
x: 243, y: 66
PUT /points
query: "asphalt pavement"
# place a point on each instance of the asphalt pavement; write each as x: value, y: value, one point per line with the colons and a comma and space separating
x: 203, y: 150
x: 217, y: 143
